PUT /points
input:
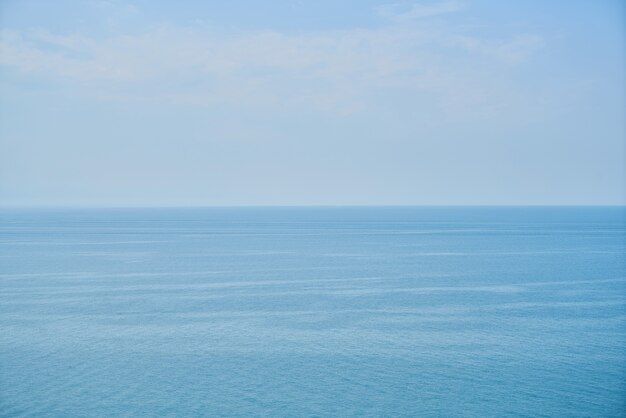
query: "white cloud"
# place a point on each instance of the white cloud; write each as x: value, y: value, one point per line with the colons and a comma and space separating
x: 123, y: 8
x: 511, y: 51
x: 335, y: 70
x: 420, y: 10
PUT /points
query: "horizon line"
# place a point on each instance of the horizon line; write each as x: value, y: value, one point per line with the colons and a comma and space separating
x: 320, y: 206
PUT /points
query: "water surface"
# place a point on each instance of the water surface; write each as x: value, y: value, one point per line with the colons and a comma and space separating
x: 313, y: 312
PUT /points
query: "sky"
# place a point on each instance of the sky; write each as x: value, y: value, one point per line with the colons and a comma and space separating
x: 326, y: 102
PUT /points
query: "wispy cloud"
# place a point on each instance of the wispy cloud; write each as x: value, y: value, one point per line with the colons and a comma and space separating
x: 420, y: 10
x: 335, y: 69
x: 117, y: 6
x: 511, y: 51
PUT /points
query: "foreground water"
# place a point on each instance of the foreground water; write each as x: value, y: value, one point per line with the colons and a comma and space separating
x: 313, y: 312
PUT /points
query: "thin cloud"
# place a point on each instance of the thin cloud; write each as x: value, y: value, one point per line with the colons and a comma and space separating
x: 511, y: 51
x: 336, y: 70
x: 420, y: 10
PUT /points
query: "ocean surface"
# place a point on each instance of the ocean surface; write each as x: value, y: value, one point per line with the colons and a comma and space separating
x: 325, y: 312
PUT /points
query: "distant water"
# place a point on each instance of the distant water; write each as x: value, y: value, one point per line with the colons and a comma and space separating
x: 476, y: 312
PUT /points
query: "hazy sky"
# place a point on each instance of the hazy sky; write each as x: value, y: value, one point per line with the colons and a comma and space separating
x: 106, y: 102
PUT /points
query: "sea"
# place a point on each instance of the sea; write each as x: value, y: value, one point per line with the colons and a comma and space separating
x: 313, y: 312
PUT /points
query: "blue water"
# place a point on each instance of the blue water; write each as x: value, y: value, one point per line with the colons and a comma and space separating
x: 474, y: 312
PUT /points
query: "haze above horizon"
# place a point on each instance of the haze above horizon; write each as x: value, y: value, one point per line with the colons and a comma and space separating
x: 332, y: 103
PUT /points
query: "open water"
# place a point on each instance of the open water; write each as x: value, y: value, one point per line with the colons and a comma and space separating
x: 474, y: 312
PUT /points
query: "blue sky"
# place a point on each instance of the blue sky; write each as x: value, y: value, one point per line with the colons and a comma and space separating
x: 148, y: 103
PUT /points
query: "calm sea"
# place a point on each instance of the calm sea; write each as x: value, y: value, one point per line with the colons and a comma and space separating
x: 476, y: 312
